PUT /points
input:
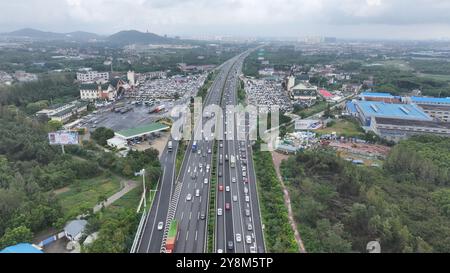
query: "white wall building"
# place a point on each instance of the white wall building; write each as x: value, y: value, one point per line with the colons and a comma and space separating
x: 93, y: 76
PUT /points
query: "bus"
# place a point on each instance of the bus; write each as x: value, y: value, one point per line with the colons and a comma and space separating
x: 169, y: 146
x: 194, y: 146
x: 232, y: 161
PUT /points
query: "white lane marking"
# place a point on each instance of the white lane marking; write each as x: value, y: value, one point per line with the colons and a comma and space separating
x: 196, y: 235
x: 182, y: 215
x: 187, y: 235
x: 190, y: 215
x: 198, y: 215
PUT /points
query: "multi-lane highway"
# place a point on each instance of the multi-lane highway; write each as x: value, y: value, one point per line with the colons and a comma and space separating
x: 186, y: 197
x: 150, y: 241
x: 239, y: 227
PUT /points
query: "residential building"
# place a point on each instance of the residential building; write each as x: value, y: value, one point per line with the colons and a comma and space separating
x: 93, y: 77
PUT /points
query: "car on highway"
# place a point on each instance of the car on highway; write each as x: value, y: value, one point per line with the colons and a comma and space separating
x: 249, y: 227
x: 209, y: 151
x: 188, y: 197
x: 244, y: 174
x: 205, y: 181
x: 220, y: 173
x: 219, y: 250
x: 220, y: 187
x: 202, y: 216
x: 235, y: 198
x: 248, y: 239
x: 247, y: 198
x: 197, y: 192
x: 233, y: 179
x: 219, y: 212
x: 252, y: 249
x: 200, y: 165
x: 245, y: 180
x: 238, y: 238
x: 221, y: 145
x: 247, y: 212
x: 227, y: 206
x: 199, y: 152
x: 244, y: 168
x: 160, y: 225
x: 230, y: 245
x: 245, y: 190
x: 227, y: 188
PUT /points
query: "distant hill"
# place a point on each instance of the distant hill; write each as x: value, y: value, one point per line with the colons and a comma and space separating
x: 120, y: 38
x: 46, y: 35
x: 137, y: 37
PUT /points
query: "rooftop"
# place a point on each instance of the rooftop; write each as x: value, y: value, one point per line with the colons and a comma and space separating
x: 392, y: 110
x: 375, y: 94
x: 416, y: 123
x: 430, y: 100
x: 325, y: 93
x: 22, y: 248
x: 143, y: 130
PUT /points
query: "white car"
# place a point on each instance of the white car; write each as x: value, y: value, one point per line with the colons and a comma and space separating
x: 247, y: 198
x: 252, y: 249
x: 197, y: 192
x: 205, y: 181
x: 199, y: 152
x: 219, y: 250
x: 160, y: 225
x: 248, y: 239
x: 235, y: 198
x: 233, y: 179
x: 219, y: 212
x: 238, y: 238
x: 227, y: 188
x: 189, y: 197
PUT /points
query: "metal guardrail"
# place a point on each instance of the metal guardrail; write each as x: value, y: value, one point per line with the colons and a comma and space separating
x: 171, y: 214
x: 137, y: 237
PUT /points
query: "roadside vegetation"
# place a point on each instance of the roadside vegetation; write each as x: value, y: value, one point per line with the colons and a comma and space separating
x: 278, y: 234
x: 212, y: 201
x: 208, y: 82
x: 241, y: 95
x: 340, y: 207
x: 182, y: 144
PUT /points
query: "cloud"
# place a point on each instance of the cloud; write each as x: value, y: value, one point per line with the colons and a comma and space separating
x: 228, y: 16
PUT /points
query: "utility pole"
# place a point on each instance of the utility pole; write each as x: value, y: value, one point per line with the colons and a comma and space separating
x: 143, y: 186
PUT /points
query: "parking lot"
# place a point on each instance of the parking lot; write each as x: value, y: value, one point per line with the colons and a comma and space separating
x: 267, y: 93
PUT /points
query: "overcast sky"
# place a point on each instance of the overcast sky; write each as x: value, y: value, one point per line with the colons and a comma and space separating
x: 414, y: 19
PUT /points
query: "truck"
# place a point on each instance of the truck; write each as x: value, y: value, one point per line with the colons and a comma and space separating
x: 194, y: 146
x: 169, y: 146
x: 172, y: 236
x: 157, y: 109
x: 232, y: 161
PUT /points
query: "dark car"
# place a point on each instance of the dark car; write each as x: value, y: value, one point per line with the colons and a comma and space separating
x: 230, y: 245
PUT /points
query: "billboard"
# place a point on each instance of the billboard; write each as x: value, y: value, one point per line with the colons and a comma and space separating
x: 308, y: 124
x: 63, y: 138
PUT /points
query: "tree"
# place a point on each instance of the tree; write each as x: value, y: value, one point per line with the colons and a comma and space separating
x: 54, y: 125
x: 102, y: 134
x: 15, y: 236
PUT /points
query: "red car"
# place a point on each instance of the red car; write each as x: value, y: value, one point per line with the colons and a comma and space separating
x: 227, y: 206
x: 220, y: 188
